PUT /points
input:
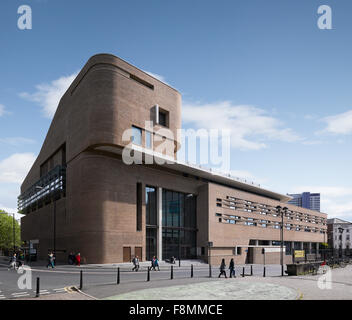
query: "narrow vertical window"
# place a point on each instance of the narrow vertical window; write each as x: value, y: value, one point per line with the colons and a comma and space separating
x: 139, y: 207
x: 136, y: 135
x: 148, y: 139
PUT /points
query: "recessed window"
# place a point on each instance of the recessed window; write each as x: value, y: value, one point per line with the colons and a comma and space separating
x: 136, y: 137
x: 163, y: 118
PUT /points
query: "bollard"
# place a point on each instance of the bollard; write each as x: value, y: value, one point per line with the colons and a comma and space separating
x: 251, y: 270
x: 243, y: 272
x: 38, y: 288
x: 172, y: 272
x: 118, y: 275
x: 209, y: 271
x: 191, y: 270
x: 148, y: 274
x: 81, y: 281
x: 282, y: 270
x: 264, y: 272
x: 179, y: 262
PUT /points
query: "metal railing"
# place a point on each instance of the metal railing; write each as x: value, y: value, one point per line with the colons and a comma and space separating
x: 40, y: 193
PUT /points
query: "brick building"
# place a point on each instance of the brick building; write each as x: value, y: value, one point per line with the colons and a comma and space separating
x: 80, y: 195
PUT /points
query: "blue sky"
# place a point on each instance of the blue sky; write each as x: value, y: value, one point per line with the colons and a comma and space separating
x: 263, y: 68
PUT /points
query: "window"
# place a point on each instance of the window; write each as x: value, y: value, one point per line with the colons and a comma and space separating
x: 139, y: 207
x: 136, y: 135
x: 238, y: 251
x: 163, y: 118
x: 148, y: 139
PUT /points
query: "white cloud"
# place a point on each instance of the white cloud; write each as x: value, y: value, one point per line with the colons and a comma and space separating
x: 48, y: 95
x: 339, y: 124
x: 14, y: 168
x: 11, y: 210
x: 16, y: 141
x: 250, y: 126
x: 2, y: 110
x: 157, y: 76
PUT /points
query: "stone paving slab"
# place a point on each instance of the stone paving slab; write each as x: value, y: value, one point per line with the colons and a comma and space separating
x: 228, y: 289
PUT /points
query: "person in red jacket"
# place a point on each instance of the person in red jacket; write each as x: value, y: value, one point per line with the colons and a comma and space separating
x: 78, y: 259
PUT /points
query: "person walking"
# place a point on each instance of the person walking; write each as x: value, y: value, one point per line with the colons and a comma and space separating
x: 153, y: 263
x: 135, y: 263
x: 156, y: 263
x: 51, y: 259
x: 222, y: 268
x: 78, y: 259
x: 13, y: 262
x: 232, y: 268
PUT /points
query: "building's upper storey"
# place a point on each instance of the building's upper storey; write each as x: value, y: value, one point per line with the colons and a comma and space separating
x: 107, y: 97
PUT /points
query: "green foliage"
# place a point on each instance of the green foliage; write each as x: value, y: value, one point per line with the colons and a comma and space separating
x: 6, y: 231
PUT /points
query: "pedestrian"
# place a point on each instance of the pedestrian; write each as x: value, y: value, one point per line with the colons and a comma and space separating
x: 78, y: 259
x: 51, y: 259
x: 71, y: 259
x: 232, y: 268
x: 13, y: 262
x: 135, y: 261
x: 156, y: 264
x: 153, y: 263
x: 222, y: 268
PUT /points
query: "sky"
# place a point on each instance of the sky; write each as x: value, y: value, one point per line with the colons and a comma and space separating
x: 260, y: 68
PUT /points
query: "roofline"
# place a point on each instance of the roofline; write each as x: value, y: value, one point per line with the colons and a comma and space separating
x: 209, y: 174
x: 133, y: 66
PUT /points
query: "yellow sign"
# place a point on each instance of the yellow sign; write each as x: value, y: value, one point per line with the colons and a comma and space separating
x: 299, y: 253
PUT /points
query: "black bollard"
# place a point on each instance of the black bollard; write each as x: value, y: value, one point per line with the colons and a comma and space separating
x: 148, y: 274
x: 264, y: 272
x: 38, y: 288
x: 282, y: 270
x: 191, y: 270
x: 172, y: 272
x: 209, y: 271
x: 234, y: 272
x: 251, y: 270
x: 118, y: 275
x: 81, y: 281
x: 243, y: 272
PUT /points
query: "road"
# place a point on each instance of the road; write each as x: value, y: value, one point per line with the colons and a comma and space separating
x: 100, y: 281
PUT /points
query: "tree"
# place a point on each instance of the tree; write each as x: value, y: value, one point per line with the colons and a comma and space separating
x: 6, y: 231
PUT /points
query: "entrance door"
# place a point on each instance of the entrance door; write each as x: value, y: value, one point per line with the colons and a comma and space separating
x: 126, y: 254
x: 138, y: 252
x: 249, y: 257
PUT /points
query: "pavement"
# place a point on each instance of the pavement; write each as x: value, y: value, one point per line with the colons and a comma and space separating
x: 100, y: 282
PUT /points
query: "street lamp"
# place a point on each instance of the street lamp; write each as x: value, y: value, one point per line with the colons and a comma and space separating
x: 341, y: 232
x: 54, y: 218
x: 278, y: 208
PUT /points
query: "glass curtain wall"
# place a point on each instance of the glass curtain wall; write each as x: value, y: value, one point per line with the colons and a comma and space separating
x: 179, y: 225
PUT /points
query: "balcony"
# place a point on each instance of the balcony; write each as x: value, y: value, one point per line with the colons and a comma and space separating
x: 50, y: 186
